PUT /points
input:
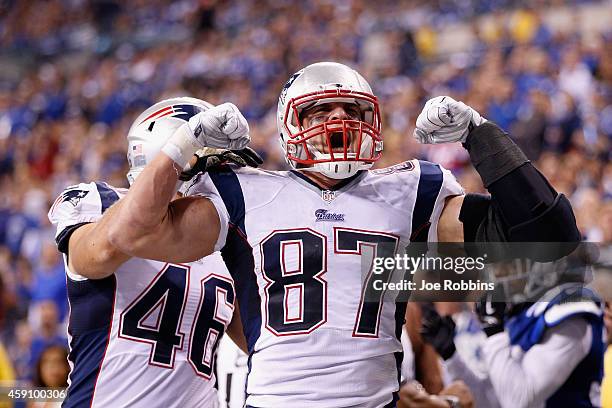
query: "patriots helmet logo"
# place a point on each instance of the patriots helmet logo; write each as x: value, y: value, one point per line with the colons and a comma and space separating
x: 288, y: 85
x: 74, y: 196
x: 182, y: 111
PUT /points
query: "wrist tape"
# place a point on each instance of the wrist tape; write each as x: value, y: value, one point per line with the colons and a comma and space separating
x: 181, y: 146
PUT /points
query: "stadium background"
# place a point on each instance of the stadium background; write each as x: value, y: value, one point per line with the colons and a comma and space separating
x: 75, y: 73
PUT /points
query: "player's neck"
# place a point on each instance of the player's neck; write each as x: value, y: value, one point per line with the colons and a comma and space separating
x: 324, y: 182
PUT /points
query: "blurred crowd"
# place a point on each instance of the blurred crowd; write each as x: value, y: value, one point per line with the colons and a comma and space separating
x: 78, y: 72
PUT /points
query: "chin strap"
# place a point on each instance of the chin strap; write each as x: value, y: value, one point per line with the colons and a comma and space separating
x: 337, y: 170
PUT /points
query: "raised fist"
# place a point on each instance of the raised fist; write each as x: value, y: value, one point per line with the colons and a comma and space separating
x: 222, y: 126
x: 445, y: 120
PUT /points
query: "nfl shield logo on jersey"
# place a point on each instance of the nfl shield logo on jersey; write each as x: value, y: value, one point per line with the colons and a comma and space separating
x: 328, y: 196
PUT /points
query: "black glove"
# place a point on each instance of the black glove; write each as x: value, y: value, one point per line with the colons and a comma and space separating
x: 439, y: 331
x: 209, y: 157
x: 491, y: 314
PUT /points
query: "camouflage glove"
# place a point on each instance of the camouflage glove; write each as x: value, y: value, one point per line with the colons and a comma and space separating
x: 210, y: 157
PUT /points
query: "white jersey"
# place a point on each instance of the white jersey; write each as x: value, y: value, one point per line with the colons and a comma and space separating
x: 408, y: 363
x: 232, y: 370
x: 145, y: 336
x: 295, y: 253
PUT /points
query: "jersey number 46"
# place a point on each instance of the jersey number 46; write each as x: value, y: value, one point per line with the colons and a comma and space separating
x: 168, y: 294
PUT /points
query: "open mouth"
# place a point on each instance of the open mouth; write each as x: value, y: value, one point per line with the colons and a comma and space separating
x: 336, y: 140
x: 333, y: 142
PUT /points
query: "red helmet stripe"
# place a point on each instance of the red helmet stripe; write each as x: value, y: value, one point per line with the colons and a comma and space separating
x: 162, y: 112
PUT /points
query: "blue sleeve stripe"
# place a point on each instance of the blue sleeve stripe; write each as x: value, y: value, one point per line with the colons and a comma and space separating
x: 108, y: 196
x: 430, y: 183
x: 238, y: 254
x: 228, y: 185
x: 238, y: 257
x: 63, y: 238
x: 90, y: 322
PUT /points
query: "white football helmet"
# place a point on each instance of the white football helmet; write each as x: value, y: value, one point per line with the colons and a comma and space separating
x: 321, y: 83
x: 153, y: 128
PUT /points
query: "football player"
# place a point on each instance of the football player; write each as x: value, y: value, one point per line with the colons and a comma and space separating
x: 547, y: 353
x: 143, y: 333
x: 296, y: 241
x: 232, y: 371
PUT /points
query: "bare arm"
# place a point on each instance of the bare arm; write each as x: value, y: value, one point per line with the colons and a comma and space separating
x: 450, y: 229
x: 90, y: 253
x: 148, y: 225
x: 426, y: 361
x: 235, y: 332
x: 188, y: 228
x: 413, y: 395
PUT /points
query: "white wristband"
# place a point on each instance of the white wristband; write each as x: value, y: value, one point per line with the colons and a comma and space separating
x: 181, y: 146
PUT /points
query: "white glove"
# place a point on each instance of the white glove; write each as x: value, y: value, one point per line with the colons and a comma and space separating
x: 222, y: 127
x: 445, y: 120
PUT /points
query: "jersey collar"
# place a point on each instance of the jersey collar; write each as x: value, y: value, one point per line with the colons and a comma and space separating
x: 344, y: 185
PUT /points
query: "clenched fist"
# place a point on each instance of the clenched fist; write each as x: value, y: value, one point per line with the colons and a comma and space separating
x: 445, y: 120
x: 222, y: 126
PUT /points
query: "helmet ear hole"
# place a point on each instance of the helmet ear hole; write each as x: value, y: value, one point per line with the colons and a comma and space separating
x: 150, y: 128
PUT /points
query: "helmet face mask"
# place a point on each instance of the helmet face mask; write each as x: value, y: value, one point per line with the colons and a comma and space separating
x: 153, y: 128
x: 524, y: 280
x: 337, y: 148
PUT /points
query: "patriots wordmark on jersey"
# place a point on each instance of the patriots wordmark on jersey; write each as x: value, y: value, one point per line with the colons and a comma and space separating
x: 295, y: 253
x: 147, y: 335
